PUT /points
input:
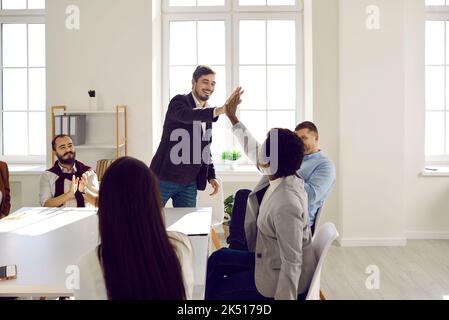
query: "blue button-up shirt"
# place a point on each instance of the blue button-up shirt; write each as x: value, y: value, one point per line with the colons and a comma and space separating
x: 319, y: 176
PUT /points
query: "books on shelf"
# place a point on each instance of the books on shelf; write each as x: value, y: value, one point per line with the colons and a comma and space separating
x: 100, y: 134
x: 73, y: 125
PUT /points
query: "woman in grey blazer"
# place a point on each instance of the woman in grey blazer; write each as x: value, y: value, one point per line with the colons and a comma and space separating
x: 280, y: 261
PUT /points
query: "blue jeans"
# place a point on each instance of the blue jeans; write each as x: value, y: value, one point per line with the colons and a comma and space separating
x: 183, y: 196
x: 237, y: 237
x: 230, y: 276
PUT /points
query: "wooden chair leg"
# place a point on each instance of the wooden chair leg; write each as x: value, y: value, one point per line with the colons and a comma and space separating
x: 322, y: 297
x: 215, y: 239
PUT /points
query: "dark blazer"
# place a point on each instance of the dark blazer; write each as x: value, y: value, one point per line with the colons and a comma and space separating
x: 179, y: 121
x: 5, y: 205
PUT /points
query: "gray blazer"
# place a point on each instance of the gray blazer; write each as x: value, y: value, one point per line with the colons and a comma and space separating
x: 279, y: 234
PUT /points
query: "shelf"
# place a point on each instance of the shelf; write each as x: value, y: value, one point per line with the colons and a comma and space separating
x: 98, y: 146
x: 81, y: 112
x: 120, y: 147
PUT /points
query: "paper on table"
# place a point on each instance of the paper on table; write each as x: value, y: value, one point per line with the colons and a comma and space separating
x: 27, y: 217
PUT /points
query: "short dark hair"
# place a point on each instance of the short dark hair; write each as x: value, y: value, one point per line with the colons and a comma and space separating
x: 53, y: 142
x: 307, y: 125
x: 290, y: 152
x: 202, y: 71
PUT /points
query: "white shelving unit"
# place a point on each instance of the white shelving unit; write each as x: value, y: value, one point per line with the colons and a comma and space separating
x: 106, y: 133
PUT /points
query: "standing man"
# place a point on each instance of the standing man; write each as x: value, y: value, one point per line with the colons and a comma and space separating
x: 183, y: 161
x: 69, y: 183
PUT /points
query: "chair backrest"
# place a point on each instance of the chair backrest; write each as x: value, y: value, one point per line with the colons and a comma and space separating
x: 102, y: 166
x: 204, y: 200
x: 322, y: 241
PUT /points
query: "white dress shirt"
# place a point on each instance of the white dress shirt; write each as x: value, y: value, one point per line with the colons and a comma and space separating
x: 198, y: 106
x: 48, y: 180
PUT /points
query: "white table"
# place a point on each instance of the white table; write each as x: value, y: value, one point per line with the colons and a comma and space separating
x: 44, y: 242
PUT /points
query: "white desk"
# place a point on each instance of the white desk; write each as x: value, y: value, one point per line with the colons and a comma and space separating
x: 43, y: 243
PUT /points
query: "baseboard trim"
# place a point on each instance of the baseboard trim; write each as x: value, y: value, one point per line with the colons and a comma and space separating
x: 419, y: 235
x: 373, y: 242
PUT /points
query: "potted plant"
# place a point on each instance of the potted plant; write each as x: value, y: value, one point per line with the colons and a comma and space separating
x: 228, y: 206
x: 231, y: 158
x: 92, y: 100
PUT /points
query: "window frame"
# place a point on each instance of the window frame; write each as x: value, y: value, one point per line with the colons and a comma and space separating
x: 232, y: 16
x: 22, y: 16
x: 231, y: 5
x: 297, y: 7
x: 438, y: 13
x: 300, y: 76
x: 166, y: 52
x: 166, y: 8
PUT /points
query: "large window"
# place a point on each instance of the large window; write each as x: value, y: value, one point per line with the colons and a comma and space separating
x: 22, y: 81
x: 253, y: 43
x: 437, y: 76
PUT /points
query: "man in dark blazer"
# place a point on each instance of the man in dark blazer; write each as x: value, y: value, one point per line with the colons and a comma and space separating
x: 5, y: 204
x: 183, y: 161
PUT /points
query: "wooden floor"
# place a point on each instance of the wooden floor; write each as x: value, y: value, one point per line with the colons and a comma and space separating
x: 418, y: 271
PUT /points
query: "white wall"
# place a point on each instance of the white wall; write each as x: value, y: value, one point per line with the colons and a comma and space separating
x: 382, y: 198
x: 326, y: 107
x: 111, y: 53
x: 426, y: 201
x: 24, y: 190
x: 372, y: 122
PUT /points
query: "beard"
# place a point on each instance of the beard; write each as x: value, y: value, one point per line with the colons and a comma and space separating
x: 201, y: 97
x: 69, y: 160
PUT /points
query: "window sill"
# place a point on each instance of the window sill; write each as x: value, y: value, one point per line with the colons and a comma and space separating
x: 436, y: 171
x: 242, y: 173
x: 26, y: 169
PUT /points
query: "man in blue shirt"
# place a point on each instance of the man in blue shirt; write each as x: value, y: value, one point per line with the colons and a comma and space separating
x: 317, y: 170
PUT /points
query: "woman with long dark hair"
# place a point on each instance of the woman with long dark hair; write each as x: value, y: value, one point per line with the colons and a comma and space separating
x: 137, y: 258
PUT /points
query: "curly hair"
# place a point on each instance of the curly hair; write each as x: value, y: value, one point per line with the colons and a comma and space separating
x: 290, y: 152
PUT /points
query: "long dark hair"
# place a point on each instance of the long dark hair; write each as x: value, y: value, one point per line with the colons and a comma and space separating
x: 138, y: 260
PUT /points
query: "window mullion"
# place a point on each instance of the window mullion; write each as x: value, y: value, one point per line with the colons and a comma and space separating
x: 235, y: 25
x: 266, y: 75
x: 445, y: 93
x: 440, y: 14
x: 28, y: 86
